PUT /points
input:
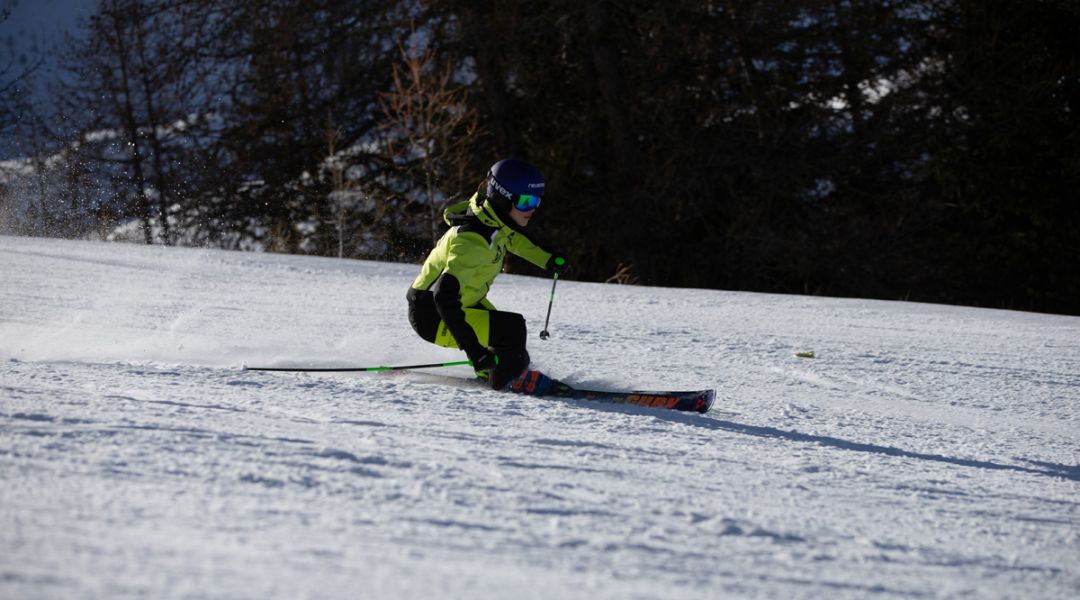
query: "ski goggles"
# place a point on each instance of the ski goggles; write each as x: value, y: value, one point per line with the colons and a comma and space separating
x: 526, y: 202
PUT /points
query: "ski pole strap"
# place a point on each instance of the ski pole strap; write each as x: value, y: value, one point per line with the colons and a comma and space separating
x: 358, y: 369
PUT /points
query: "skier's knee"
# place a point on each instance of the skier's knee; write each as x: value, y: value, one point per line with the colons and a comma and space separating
x: 508, y: 330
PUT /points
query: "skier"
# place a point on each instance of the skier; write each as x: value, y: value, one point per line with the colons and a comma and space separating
x: 448, y: 303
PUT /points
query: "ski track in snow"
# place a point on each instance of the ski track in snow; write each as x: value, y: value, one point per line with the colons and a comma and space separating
x: 928, y: 452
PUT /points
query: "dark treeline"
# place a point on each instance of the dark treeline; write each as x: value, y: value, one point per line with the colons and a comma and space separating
x: 900, y: 149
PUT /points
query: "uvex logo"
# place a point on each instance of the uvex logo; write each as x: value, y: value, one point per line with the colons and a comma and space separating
x: 498, y: 186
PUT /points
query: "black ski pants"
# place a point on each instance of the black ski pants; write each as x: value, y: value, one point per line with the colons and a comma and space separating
x: 503, y: 332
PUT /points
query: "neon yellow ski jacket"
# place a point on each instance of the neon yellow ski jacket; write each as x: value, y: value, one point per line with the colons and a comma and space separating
x: 474, y: 252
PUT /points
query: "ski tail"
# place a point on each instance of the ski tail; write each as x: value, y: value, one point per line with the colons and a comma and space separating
x: 535, y: 383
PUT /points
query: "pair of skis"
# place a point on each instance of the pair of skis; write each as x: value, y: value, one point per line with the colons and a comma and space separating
x: 535, y: 383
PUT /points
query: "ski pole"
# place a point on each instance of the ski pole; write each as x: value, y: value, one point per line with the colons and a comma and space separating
x: 544, y: 334
x: 359, y: 369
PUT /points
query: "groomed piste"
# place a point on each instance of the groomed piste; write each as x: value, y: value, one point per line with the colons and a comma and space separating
x: 923, y: 451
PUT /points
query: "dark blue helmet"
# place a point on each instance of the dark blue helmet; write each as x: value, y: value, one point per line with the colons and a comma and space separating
x: 514, y: 183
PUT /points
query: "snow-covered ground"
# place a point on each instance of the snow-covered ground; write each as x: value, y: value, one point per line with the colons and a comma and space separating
x: 928, y: 451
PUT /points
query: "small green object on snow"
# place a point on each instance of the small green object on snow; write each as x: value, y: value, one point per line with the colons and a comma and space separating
x: 807, y: 354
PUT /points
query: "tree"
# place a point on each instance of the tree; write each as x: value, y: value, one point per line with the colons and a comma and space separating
x: 15, y: 72
x: 1007, y: 155
x: 920, y: 149
x: 284, y: 65
x: 132, y: 75
x: 431, y: 127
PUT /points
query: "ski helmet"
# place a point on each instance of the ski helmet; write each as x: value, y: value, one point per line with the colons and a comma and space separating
x: 514, y: 183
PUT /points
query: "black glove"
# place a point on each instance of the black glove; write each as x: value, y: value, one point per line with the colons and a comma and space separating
x: 484, y: 361
x: 558, y: 264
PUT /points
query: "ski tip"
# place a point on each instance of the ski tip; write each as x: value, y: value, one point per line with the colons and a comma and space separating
x: 707, y: 401
x: 699, y: 401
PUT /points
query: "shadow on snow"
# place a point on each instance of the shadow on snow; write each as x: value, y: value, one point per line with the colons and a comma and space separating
x: 1070, y: 472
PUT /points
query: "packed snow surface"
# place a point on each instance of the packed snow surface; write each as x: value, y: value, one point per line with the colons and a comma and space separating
x: 927, y: 451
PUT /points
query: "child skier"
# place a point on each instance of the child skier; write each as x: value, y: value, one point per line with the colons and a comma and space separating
x: 448, y: 303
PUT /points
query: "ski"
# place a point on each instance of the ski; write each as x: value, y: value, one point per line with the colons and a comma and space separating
x: 535, y: 383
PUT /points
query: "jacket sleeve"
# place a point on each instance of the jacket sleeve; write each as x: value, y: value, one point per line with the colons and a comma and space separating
x: 447, y: 291
x: 530, y: 251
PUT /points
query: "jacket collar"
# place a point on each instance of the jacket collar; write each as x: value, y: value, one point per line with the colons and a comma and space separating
x: 485, y: 212
x: 478, y: 208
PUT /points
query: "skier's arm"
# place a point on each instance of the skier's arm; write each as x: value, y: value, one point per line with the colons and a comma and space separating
x: 536, y: 254
x: 527, y: 249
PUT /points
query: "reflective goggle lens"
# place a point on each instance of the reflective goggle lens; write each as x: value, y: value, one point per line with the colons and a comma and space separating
x: 526, y: 202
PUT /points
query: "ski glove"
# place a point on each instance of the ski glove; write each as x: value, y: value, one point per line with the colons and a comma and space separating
x: 558, y: 264
x: 485, y: 361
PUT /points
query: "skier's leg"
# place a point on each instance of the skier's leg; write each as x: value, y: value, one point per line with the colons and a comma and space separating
x: 504, y: 332
x: 508, y: 340
x: 426, y: 322
x: 423, y: 316
x: 481, y: 322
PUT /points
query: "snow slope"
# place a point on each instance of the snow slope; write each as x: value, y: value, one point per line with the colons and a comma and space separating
x: 928, y: 451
